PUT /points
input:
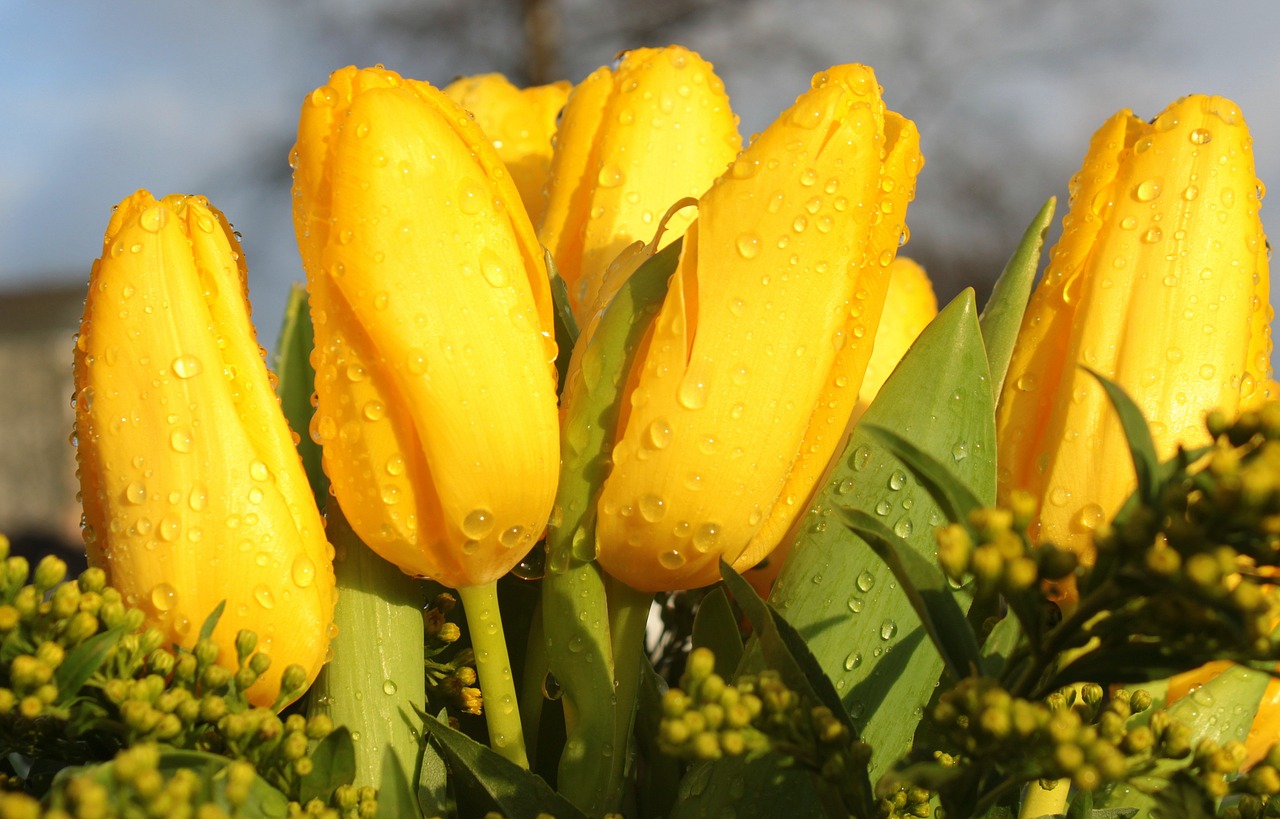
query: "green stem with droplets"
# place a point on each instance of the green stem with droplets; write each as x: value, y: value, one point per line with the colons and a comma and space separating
x: 493, y: 666
x: 375, y: 679
x: 628, y: 616
x: 532, y: 681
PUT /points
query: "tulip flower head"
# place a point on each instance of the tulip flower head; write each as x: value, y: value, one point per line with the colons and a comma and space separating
x: 193, y: 491
x: 1160, y: 283
x: 434, y: 351
x: 521, y: 123
x: 743, y: 389
x: 633, y: 139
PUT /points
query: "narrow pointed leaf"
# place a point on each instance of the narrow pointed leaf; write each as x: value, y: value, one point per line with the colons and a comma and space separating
x: 334, y: 764
x: 926, y: 587
x: 783, y: 647
x: 481, y: 777
x: 211, y: 622
x: 999, y: 644
x: 716, y: 627
x: 949, y: 492
x: 566, y: 325
x: 82, y: 662
x: 1142, y: 447
x: 1002, y: 315
x: 296, y: 383
x: 395, y: 797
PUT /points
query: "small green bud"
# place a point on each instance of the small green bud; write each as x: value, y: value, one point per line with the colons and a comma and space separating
x: 184, y: 668
x: 212, y: 708
x: 294, y: 746
x: 711, y: 689
x: 167, y: 728
x: 303, y: 766
x: 955, y: 547
x: 92, y: 580
x: 987, y: 565
x: 81, y: 627
x: 674, y: 703
x: 713, y: 713
x: 50, y: 571
x: 16, y: 570
x: 1020, y: 574
x: 246, y: 642
x: 65, y: 600
x: 7, y: 701
x: 240, y: 776
x: 206, y: 652
x: 215, y: 678
x: 1140, y: 700
x: 259, y: 663
x: 700, y: 665
x: 9, y: 618
x: 293, y: 680
x: 244, y: 678
x: 732, y: 743
x: 161, y: 662
x: 319, y: 726
x: 706, y: 746
x: 449, y: 633
x: 50, y: 654
x: 674, y: 732
x: 1138, y: 740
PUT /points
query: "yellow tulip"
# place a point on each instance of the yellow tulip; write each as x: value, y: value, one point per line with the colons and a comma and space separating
x: 633, y: 139
x: 433, y: 326
x: 521, y: 123
x: 1159, y: 283
x: 193, y: 491
x: 909, y: 306
x: 743, y: 390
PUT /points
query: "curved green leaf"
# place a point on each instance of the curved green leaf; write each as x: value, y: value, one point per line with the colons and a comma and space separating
x: 716, y: 627
x: 1002, y: 316
x: 296, y: 383
x: 949, y: 492
x: 82, y: 662
x: 927, y: 589
x: 1142, y: 447
x: 395, y: 797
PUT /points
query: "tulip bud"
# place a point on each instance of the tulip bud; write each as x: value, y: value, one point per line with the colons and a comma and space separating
x: 633, y: 139
x: 752, y: 367
x: 433, y: 329
x: 1160, y: 283
x: 521, y: 123
x: 193, y: 491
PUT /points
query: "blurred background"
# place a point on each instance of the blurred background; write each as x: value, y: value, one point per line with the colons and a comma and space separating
x: 100, y: 99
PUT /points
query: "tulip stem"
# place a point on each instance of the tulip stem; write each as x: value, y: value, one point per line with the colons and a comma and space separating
x: 375, y: 680
x: 1037, y: 801
x: 628, y: 617
x: 501, y: 709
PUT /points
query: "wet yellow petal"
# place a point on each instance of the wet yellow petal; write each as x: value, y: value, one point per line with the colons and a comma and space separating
x: 193, y: 491
x: 432, y: 315
x: 1160, y: 282
x: 633, y: 139
x: 521, y: 123
x: 752, y: 366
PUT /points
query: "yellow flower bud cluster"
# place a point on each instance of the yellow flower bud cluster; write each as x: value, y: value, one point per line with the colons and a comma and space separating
x: 1003, y: 560
x: 1257, y: 789
x: 707, y: 718
x: 450, y: 682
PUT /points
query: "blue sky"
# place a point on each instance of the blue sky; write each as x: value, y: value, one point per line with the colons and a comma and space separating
x: 100, y: 99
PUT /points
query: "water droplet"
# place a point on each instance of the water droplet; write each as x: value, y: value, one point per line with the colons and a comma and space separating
x: 1153, y: 235
x: 692, y: 394
x: 258, y: 471
x: 512, y: 537
x: 887, y: 629
x: 902, y: 528
x: 303, y: 571
x: 897, y: 479
x: 866, y: 580
x: 861, y: 457
x: 883, y: 507
x: 1207, y: 371
x: 153, y: 218
x: 492, y: 268
x: 186, y: 366
x: 478, y: 524
x: 181, y: 440
x: 652, y: 508
x: 855, y: 604
x: 164, y: 597
x: 671, y: 559
x: 135, y: 492
x: 1059, y: 496
x: 853, y: 661
x: 1201, y: 136
x: 264, y: 596
x: 389, y: 687
x: 610, y: 176
x: 170, y: 527
x: 959, y: 452
x: 374, y: 411
x: 748, y: 245
x: 1147, y: 190
x: 659, y: 434
x: 705, y: 537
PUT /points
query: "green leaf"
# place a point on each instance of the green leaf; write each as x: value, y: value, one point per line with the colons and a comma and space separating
x: 334, y: 764
x: 1185, y: 797
x: 1081, y: 806
x: 1002, y: 316
x: 839, y: 595
x: 565, y: 324
x: 927, y: 589
x: 715, y: 626
x: 1142, y: 447
x: 485, y: 781
x: 573, y: 594
x: 767, y: 786
x: 82, y: 662
x: 658, y: 777
x: 950, y: 493
x: 999, y: 644
x: 395, y: 797
x: 1221, y: 710
x: 211, y: 622
x: 297, y: 382
x: 784, y: 649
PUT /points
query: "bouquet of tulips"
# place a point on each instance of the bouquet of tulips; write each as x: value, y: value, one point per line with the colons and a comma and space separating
x: 740, y: 524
